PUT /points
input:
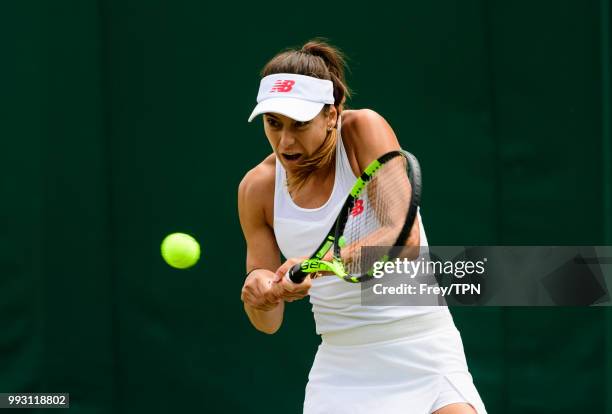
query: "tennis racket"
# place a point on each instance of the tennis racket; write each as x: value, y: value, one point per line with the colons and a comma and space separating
x: 379, y: 211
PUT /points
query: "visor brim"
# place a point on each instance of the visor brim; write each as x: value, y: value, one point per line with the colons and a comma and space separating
x: 297, y: 109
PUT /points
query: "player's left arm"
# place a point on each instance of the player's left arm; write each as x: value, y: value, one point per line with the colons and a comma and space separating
x: 371, y: 136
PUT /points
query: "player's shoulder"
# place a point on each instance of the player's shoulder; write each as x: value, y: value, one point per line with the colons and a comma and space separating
x: 359, y: 121
x: 260, y: 179
x: 367, y: 136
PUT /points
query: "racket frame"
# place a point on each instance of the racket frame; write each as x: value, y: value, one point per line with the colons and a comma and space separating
x: 334, y: 240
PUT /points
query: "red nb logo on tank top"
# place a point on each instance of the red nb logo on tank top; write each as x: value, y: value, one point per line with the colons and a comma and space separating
x: 282, y: 86
x: 357, y: 208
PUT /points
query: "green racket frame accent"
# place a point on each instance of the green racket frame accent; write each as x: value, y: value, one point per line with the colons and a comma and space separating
x: 317, y: 264
x: 365, y: 177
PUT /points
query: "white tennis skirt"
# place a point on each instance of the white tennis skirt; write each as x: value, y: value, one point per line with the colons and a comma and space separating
x: 412, y: 366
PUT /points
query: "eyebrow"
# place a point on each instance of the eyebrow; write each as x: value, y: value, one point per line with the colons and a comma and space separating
x: 279, y: 120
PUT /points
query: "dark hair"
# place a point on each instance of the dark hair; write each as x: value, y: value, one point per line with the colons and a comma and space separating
x: 318, y: 59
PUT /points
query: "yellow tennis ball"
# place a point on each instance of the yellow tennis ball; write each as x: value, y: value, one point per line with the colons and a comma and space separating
x: 180, y: 250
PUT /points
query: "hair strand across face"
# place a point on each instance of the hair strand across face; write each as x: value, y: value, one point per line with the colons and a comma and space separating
x: 317, y: 59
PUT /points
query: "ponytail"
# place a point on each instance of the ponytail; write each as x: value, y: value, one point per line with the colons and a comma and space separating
x: 335, y: 61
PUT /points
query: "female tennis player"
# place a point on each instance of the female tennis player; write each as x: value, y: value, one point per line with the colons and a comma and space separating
x: 391, y: 359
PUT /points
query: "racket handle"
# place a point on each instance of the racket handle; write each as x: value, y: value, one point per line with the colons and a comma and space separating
x: 296, y: 275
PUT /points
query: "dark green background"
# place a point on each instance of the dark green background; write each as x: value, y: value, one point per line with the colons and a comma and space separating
x: 118, y: 120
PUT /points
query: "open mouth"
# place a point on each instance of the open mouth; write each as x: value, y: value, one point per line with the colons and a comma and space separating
x: 291, y: 157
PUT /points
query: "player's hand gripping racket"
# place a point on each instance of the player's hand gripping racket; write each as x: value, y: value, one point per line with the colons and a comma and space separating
x: 379, y: 211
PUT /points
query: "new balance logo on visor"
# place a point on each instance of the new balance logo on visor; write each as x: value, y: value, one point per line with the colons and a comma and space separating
x: 282, y: 86
x: 308, y: 94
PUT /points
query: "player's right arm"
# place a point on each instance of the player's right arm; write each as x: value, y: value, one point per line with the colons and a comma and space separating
x: 255, y: 203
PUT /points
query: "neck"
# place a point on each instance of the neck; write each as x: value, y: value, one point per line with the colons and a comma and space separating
x: 317, y: 178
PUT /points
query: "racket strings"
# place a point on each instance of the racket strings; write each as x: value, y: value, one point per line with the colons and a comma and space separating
x: 378, y: 216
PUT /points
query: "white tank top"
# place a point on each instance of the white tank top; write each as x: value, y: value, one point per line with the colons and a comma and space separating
x: 336, y: 304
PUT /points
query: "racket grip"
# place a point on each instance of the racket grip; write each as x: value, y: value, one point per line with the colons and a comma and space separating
x: 296, y: 275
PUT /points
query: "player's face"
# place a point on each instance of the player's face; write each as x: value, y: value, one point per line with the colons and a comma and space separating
x: 293, y: 140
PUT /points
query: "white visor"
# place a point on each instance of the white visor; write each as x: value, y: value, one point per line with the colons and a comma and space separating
x: 297, y: 96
